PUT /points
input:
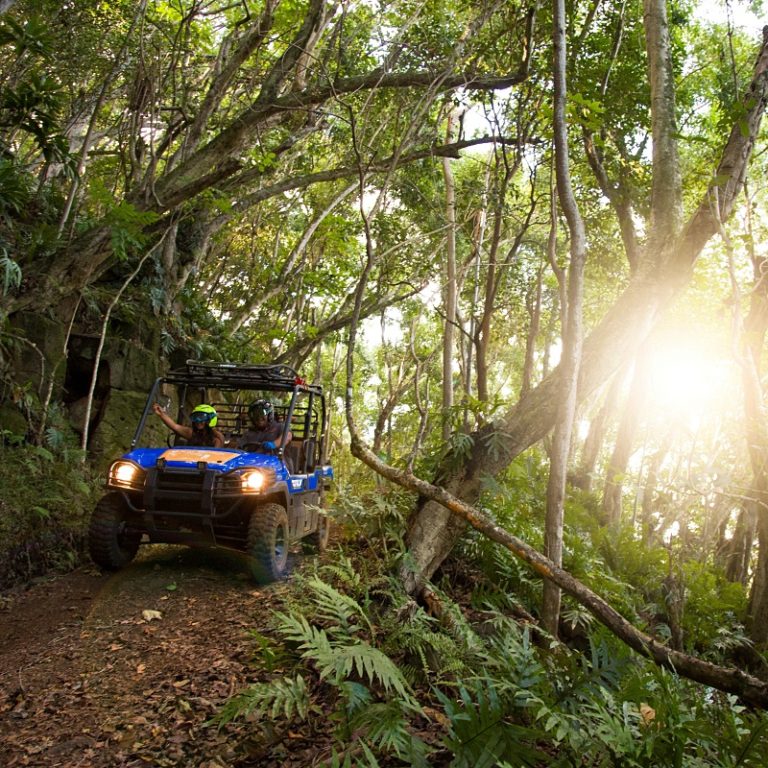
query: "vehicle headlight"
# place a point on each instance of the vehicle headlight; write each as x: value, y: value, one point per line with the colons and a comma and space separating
x: 253, y: 481
x: 123, y: 474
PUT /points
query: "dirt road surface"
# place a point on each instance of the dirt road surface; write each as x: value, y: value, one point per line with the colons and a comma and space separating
x: 127, y: 669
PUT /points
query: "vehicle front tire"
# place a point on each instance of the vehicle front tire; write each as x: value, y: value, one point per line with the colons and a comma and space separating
x: 268, y: 542
x: 110, y: 546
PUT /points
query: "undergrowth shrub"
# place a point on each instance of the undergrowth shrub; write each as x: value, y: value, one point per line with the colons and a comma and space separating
x: 46, y: 496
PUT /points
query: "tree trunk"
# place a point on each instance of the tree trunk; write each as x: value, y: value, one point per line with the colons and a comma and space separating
x: 584, y: 475
x: 534, y: 314
x: 478, y: 240
x: 483, y: 335
x: 649, y: 491
x: 450, y: 302
x: 624, y: 446
x: 666, y: 191
x: 738, y: 553
x: 572, y: 333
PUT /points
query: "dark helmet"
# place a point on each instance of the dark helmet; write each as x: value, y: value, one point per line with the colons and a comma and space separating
x: 204, y: 414
x: 261, y: 409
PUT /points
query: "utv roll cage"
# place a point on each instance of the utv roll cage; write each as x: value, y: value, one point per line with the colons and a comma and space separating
x: 210, y: 380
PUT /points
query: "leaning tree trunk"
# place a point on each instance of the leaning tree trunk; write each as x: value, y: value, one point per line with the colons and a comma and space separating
x: 432, y: 530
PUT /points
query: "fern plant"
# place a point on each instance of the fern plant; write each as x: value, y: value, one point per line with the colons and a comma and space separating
x: 331, y: 635
x: 336, y: 658
x: 481, y: 733
x: 287, y: 697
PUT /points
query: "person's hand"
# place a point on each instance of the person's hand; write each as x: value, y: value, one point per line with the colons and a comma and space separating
x: 269, y: 445
x: 156, y: 408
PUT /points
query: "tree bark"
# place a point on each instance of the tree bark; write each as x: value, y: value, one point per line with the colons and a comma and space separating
x: 666, y: 191
x: 739, y: 551
x: 534, y: 322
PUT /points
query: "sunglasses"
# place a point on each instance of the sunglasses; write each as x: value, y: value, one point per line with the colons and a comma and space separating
x: 200, y: 418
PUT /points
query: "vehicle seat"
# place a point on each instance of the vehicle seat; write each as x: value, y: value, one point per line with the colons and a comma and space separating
x: 292, y: 455
x: 308, y: 458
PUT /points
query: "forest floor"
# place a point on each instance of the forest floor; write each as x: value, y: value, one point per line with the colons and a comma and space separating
x: 89, y: 678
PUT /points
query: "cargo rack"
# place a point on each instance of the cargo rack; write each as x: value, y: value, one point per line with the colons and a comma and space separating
x: 239, y: 376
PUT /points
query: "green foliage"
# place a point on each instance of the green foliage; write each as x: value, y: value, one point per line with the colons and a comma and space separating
x: 388, y: 731
x: 45, y: 501
x: 125, y: 221
x: 11, y: 272
x: 34, y: 103
x: 285, y: 698
x: 338, y: 659
x: 373, y: 700
x: 15, y: 190
x: 712, y: 606
x: 480, y: 736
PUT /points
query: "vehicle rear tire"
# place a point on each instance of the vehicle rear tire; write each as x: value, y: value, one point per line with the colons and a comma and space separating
x: 317, y: 541
x: 110, y: 546
x: 268, y: 542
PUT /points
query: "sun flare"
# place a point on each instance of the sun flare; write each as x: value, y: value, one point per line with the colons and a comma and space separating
x: 688, y: 381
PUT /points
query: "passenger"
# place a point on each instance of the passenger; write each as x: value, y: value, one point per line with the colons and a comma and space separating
x: 202, y: 432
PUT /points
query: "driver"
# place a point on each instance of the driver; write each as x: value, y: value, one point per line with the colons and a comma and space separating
x: 202, y: 432
x: 267, y: 432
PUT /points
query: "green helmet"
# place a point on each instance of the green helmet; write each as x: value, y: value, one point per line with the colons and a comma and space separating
x: 204, y: 414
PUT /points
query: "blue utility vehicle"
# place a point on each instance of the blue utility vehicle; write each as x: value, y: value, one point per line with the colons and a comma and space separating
x: 250, y: 499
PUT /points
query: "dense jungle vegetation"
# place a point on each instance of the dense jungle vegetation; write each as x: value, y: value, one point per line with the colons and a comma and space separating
x: 523, y: 248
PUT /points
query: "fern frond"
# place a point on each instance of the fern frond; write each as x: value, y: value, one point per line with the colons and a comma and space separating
x: 387, y: 729
x: 334, y: 606
x: 279, y: 698
x: 336, y: 661
x: 344, y: 570
x: 356, y: 696
x: 365, y: 661
x: 310, y: 639
x: 479, y: 734
x: 344, y: 760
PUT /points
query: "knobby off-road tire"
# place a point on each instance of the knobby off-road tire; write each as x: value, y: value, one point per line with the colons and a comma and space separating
x: 110, y: 546
x: 268, y: 543
x: 317, y: 541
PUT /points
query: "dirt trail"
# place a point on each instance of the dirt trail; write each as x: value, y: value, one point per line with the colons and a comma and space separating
x: 88, y: 679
